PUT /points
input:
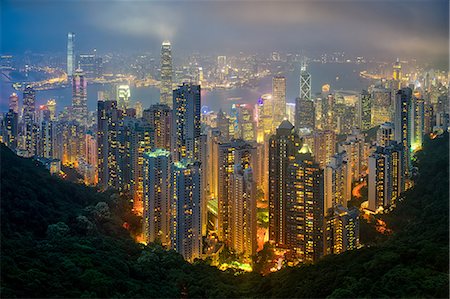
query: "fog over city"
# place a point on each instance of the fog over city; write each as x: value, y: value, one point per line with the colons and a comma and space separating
x: 383, y: 29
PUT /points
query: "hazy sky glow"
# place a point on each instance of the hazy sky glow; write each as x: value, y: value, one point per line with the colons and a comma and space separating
x: 380, y: 28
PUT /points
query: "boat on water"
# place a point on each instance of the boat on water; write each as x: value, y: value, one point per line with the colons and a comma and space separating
x: 234, y: 99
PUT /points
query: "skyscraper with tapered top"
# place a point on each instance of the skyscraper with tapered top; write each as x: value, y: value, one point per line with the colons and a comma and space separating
x: 70, y: 54
x: 166, y: 74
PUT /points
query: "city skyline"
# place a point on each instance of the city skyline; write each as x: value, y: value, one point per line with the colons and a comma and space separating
x: 206, y: 26
x: 247, y: 162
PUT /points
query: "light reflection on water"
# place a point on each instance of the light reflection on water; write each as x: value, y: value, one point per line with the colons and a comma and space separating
x: 216, y: 99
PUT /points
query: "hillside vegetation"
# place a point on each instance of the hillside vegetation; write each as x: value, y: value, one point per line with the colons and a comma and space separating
x: 60, y: 239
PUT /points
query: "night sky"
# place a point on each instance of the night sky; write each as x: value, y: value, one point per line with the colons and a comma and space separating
x: 378, y: 28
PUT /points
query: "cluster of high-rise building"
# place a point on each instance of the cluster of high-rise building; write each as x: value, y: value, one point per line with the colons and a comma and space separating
x: 197, y: 176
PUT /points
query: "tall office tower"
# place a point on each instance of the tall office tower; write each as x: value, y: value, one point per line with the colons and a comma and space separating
x: 342, y: 230
x: 123, y: 94
x: 139, y: 109
x: 109, y: 121
x: 364, y: 111
x: 304, y: 216
x: 79, y: 98
x: 324, y: 147
x: 236, y: 152
x: 243, y: 211
x: 30, y: 129
x: 159, y: 116
x: 279, y: 99
x: 51, y: 105
x: 70, y: 54
x: 305, y: 83
x: 385, y: 134
x: 264, y: 117
x: 397, y: 75
x: 354, y: 146
x: 11, y: 129
x: 246, y: 124
x: 402, y: 119
x: 135, y: 138
x: 14, y: 103
x: 186, y: 122
x: 382, y: 108
x: 283, y: 148
x: 156, y: 213
x: 338, y: 182
x: 166, y: 74
x: 386, y: 176
x: 186, y: 231
x: 417, y: 123
x: 223, y: 125
x: 304, y: 113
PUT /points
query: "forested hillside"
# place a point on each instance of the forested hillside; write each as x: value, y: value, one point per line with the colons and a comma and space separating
x: 61, y: 239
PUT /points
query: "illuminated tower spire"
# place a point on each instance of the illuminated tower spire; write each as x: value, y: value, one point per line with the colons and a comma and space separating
x: 70, y: 54
x: 166, y: 74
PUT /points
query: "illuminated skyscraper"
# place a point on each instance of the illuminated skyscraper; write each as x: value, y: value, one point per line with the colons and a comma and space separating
x: 166, y: 74
x: 70, y: 54
x: 417, y: 123
x: 264, y: 117
x: 186, y: 231
x: 397, y: 75
x: 304, y: 113
x: 246, y: 123
x: 402, y: 125
x: 159, y: 116
x: 11, y: 129
x: 231, y: 155
x: 156, y: 214
x: 283, y: 148
x: 305, y: 84
x: 382, y: 108
x: 364, y: 110
x: 123, y: 93
x: 279, y: 99
x: 186, y: 122
x: 338, y: 181
x: 135, y: 139
x: 386, y: 176
x: 328, y: 113
x: 223, y: 124
x: 304, y: 216
x: 243, y: 211
x: 30, y: 129
x: 14, y: 103
x: 79, y: 98
x: 342, y: 230
x: 139, y: 110
x: 109, y: 121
